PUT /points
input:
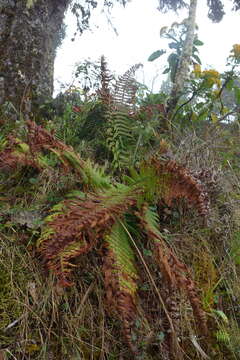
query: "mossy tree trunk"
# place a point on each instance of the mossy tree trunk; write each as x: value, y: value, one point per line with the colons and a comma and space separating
x: 185, y: 60
x: 30, y: 32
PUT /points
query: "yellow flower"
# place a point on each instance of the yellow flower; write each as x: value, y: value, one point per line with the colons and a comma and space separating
x: 211, y: 73
x: 236, y: 51
x: 197, y: 68
x: 212, y: 77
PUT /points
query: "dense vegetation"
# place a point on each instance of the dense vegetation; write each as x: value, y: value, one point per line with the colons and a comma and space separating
x: 119, y: 217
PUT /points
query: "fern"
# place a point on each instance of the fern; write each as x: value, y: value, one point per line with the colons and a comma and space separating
x: 175, y: 272
x: 76, y: 225
x: 120, y: 124
x: 119, y: 138
x: 120, y: 276
x: 104, y: 92
x: 179, y: 183
x: 125, y: 89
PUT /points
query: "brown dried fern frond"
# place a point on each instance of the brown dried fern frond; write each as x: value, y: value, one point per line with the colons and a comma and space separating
x: 181, y: 279
x: 125, y: 89
x: 40, y: 139
x: 179, y: 183
x: 17, y: 154
x: 104, y: 92
x: 176, y: 273
x: 76, y: 225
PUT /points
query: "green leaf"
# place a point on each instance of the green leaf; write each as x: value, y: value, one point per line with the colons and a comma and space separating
x: 166, y: 71
x: 214, y: 118
x: 156, y: 54
x: 221, y: 315
x: 33, y: 181
x: 120, y: 248
x: 195, y: 50
x: 229, y: 84
x: 198, y: 42
x: 203, y: 116
x: 30, y: 3
x: 237, y: 95
x: 197, y: 59
x: 23, y: 147
x: 76, y: 194
x: 173, y: 45
x: 173, y: 59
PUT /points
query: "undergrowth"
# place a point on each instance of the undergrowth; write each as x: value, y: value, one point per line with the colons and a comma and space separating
x: 113, y: 254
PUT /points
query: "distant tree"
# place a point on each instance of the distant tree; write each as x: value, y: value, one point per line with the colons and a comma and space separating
x: 216, y: 7
x: 185, y: 59
x: 30, y: 31
x: 215, y: 13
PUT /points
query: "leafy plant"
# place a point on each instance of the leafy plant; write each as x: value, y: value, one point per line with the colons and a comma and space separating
x: 100, y: 212
x: 176, y: 35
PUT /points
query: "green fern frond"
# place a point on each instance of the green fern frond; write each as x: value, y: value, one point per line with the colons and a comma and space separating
x: 147, y: 178
x: 151, y: 220
x: 119, y: 138
x: 120, y: 276
x: 118, y: 244
x: 94, y: 176
x: 223, y: 336
x: 3, y: 143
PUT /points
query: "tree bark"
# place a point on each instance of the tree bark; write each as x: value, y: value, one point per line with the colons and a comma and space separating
x: 183, y: 67
x: 29, y: 37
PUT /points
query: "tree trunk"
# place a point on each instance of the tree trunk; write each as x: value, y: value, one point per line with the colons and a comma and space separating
x: 29, y: 36
x: 183, y: 67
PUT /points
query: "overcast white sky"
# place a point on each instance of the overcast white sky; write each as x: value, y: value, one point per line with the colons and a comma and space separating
x: 138, y: 26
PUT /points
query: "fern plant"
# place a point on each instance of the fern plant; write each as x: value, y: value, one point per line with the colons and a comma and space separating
x: 99, y: 213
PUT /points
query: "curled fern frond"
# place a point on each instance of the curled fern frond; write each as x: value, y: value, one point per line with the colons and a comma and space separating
x: 75, y: 226
x: 175, y: 181
x: 120, y: 276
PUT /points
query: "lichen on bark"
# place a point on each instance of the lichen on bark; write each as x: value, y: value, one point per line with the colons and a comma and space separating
x: 28, y: 40
x: 185, y: 59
